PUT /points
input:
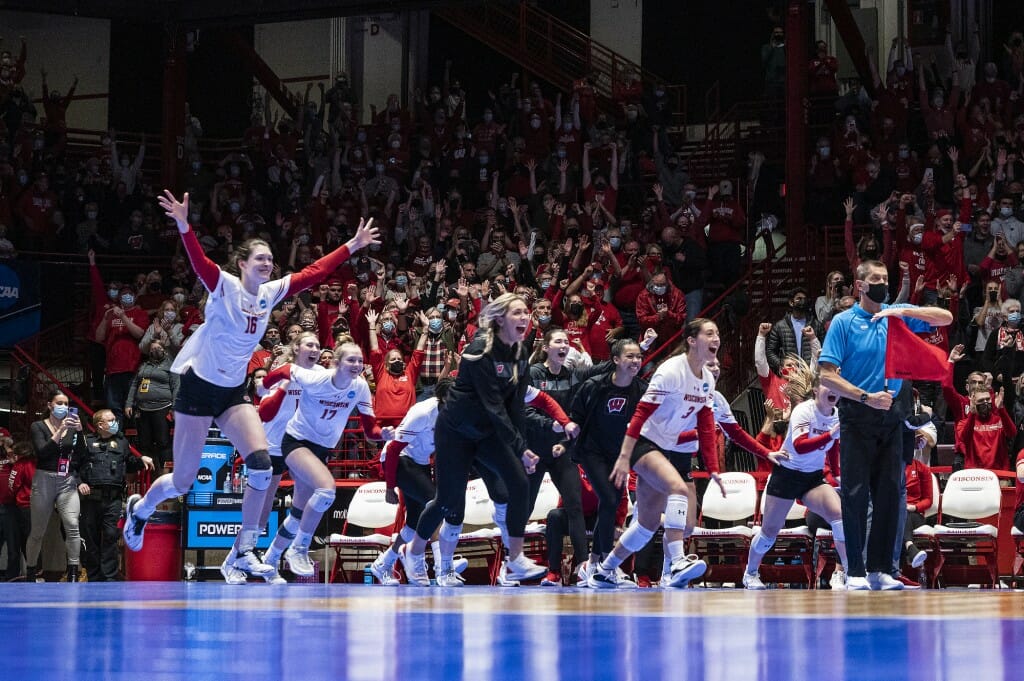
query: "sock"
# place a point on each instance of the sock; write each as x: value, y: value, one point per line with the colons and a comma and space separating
x: 610, y: 563
x: 159, y: 491
x: 435, y: 551
x: 247, y: 537
x: 666, y: 561
x: 676, y: 550
x: 388, y: 558
x: 500, y: 513
x: 302, y: 539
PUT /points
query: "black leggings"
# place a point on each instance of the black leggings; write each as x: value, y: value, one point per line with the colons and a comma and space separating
x: 417, y: 488
x: 566, y: 478
x: 455, y: 456
x: 598, y: 468
x: 155, y: 434
x: 554, y: 535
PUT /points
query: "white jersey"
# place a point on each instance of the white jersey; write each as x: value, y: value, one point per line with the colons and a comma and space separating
x: 219, y: 349
x: 680, y: 395
x: 723, y: 412
x: 275, y: 427
x: 807, y: 420
x: 417, y: 431
x: 323, y: 409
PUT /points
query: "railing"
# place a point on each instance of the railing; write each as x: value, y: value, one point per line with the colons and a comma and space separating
x: 555, y: 50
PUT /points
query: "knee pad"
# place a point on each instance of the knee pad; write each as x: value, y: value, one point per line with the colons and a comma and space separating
x: 675, y: 512
x: 449, y: 533
x: 838, y: 533
x: 762, y: 543
x: 321, y: 499
x: 261, y: 469
x: 635, y: 537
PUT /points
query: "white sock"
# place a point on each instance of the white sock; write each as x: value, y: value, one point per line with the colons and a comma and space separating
x: 676, y: 550
x: 610, y: 563
x: 247, y: 537
x: 435, y: 550
x: 388, y: 558
x: 302, y: 539
x: 500, y: 514
x: 666, y: 561
x: 159, y: 491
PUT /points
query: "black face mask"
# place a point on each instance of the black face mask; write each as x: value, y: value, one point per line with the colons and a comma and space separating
x: 396, y: 367
x: 779, y: 427
x: 576, y: 309
x: 878, y: 293
x: 984, y: 410
x: 799, y: 306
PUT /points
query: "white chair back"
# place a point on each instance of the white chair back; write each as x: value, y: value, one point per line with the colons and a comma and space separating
x: 740, y: 502
x: 547, y: 499
x: 368, y: 507
x: 933, y: 510
x: 972, y: 493
x: 479, y: 508
x: 796, y: 511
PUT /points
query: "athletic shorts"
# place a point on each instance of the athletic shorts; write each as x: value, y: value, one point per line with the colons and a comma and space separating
x: 680, y: 460
x: 786, y: 483
x: 197, y: 397
x: 289, y: 444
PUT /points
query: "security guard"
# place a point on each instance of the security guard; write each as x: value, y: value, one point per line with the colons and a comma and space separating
x: 102, y: 470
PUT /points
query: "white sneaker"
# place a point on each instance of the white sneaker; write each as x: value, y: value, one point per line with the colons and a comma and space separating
x: 625, y: 581
x: 252, y: 565
x: 459, y: 564
x: 919, y: 559
x: 383, y: 573
x: 583, y: 573
x: 415, y: 566
x: 881, y: 581
x: 837, y: 582
x: 522, y: 569
x: 857, y: 584
x: 297, y: 558
x: 686, y: 568
x: 665, y: 582
x: 231, y: 574
x: 602, y: 579
x: 133, y: 525
x: 753, y: 582
x: 275, y: 578
x: 503, y: 578
x: 450, y: 578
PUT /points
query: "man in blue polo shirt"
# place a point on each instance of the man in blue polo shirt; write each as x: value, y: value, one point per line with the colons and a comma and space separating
x: 871, y: 416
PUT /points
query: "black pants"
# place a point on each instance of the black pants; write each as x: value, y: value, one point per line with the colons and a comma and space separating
x: 117, y: 388
x: 417, y: 488
x: 566, y: 478
x: 456, y: 455
x: 155, y: 435
x: 11, y: 535
x: 598, y: 468
x: 726, y: 261
x: 871, y: 460
x: 554, y: 535
x: 98, y: 522
x: 98, y: 368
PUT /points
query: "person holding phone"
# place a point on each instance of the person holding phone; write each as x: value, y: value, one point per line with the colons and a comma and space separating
x: 59, y: 446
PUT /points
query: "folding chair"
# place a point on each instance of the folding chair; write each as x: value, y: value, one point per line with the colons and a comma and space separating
x: 535, y: 539
x: 725, y: 550
x: 367, y: 511
x: 924, y: 536
x: 483, y: 542
x: 1018, y: 560
x: 789, y: 560
x: 967, y: 552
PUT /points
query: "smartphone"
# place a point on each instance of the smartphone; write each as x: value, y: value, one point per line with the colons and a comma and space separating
x: 966, y: 227
x: 73, y: 411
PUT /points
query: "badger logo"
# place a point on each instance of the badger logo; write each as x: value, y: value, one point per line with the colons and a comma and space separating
x: 616, y: 404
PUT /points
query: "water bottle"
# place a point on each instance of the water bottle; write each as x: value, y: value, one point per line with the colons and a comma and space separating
x: 367, y: 575
x: 922, y: 577
x: 227, y: 483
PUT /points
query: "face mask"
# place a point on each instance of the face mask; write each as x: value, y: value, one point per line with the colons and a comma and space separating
x: 127, y: 300
x: 878, y: 293
x: 91, y: 214
x: 938, y: 102
x: 435, y: 325
x: 690, y: 195
x: 1013, y: 319
x: 1005, y: 211
x: 374, y: 247
x: 484, y: 160
x: 901, y: 71
x: 396, y: 143
x: 916, y: 238
x: 825, y: 151
x: 379, y: 168
x: 396, y: 366
x: 156, y: 354
x: 169, y: 315
x: 544, y: 319
x: 401, y: 281
x: 179, y: 298
x: 779, y: 427
x: 799, y: 306
x: 60, y: 411
x: 114, y: 427
x: 112, y: 293
x: 984, y: 410
x: 196, y: 165
x: 576, y: 309
x: 659, y: 290
x: 904, y: 153
x: 235, y: 171
x: 388, y: 327
x: 488, y: 117
x: 453, y: 315
x: 615, y: 242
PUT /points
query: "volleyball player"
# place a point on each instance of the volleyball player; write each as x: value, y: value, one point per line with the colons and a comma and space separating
x: 678, y: 398
x: 483, y: 421
x: 213, y: 364
x: 798, y: 473
x: 327, y: 399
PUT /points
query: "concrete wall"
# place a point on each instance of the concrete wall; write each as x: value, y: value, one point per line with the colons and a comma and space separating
x: 618, y: 24
x: 383, y: 59
x: 65, y: 47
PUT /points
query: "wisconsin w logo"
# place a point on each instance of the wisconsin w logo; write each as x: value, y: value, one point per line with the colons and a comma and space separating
x: 616, y: 404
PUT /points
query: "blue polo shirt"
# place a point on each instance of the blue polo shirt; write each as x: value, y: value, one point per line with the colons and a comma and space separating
x: 856, y: 345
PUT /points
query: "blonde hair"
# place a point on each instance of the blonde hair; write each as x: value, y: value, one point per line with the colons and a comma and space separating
x: 487, y: 318
x: 802, y: 382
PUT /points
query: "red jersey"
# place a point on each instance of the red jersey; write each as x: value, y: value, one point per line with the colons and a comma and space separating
x: 123, y: 354
x: 919, y: 486
x: 394, y: 395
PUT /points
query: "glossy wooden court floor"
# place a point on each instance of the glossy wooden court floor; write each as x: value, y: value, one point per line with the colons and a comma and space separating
x: 178, y: 630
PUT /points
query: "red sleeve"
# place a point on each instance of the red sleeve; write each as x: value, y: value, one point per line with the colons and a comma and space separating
x: 392, y: 451
x: 831, y: 467
x: 687, y: 436
x: 640, y: 416
x: 205, y: 269
x: 622, y: 512
x: 546, y: 404
x: 271, y: 404
x: 376, y: 361
x: 743, y: 439
x: 279, y: 374
x: 927, y: 490
x: 415, y: 364
x: 763, y: 439
x: 1009, y: 427
x: 708, y: 441
x: 806, y: 444
x: 370, y: 427
x: 318, y: 271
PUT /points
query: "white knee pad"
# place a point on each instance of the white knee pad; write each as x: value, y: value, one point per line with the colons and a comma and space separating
x: 260, y: 470
x: 838, y: 534
x: 675, y: 512
x: 449, y: 533
x: 321, y: 499
x: 762, y: 543
x: 635, y: 537
x: 407, y: 534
